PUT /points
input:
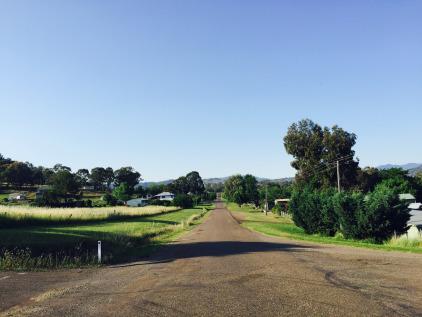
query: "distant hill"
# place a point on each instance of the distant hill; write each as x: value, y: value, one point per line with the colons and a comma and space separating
x: 220, y: 180
x: 412, y: 168
x: 406, y: 167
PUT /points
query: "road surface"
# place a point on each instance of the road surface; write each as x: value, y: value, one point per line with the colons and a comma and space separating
x: 223, y: 269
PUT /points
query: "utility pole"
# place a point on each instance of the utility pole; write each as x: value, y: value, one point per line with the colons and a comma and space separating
x: 338, y: 176
x: 266, y: 199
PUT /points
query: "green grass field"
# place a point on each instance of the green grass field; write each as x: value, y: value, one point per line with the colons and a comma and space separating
x: 76, y: 245
x: 278, y: 226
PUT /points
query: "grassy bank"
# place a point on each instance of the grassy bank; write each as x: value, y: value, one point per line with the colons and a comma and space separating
x: 278, y: 226
x: 76, y: 245
x: 23, y: 216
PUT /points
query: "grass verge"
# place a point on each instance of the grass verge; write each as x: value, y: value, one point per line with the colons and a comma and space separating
x: 51, y: 247
x: 279, y: 226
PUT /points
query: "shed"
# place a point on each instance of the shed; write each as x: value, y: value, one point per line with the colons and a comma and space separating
x: 137, y: 202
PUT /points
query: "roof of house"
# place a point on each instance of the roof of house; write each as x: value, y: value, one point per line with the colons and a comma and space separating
x: 406, y: 197
x: 283, y: 200
x: 415, y: 206
x: 14, y: 195
x: 164, y: 194
x: 415, y: 217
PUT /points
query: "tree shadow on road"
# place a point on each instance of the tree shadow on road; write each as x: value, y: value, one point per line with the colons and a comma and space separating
x: 178, y: 251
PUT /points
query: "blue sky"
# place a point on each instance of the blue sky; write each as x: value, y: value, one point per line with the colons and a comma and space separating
x: 174, y: 86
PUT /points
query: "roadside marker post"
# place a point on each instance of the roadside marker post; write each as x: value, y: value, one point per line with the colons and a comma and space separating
x: 99, y: 251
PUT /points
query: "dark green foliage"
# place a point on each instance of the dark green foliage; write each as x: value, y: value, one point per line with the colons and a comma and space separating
x: 64, y: 183
x: 348, y: 206
x: 314, y: 147
x: 384, y: 215
x: 183, y: 201
x: 196, y: 185
x: 157, y: 202
x: 234, y: 189
x: 180, y: 186
x: 241, y: 190
x: 126, y: 175
x: 251, y: 189
x: 109, y: 199
x: 314, y: 211
x: 376, y: 216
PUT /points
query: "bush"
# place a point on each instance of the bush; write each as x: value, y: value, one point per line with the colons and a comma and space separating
x: 183, y: 201
x: 348, y: 206
x: 384, y: 215
x: 157, y: 202
x: 305, y: 208
x: 109, y: 200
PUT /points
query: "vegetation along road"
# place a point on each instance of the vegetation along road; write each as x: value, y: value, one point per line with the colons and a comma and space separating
x: 222, y: 268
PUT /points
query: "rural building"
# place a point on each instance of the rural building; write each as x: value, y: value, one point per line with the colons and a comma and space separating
x: 17, y: 196
x: 165, y: 196
x: 137, y: 202
x: 415, y: 221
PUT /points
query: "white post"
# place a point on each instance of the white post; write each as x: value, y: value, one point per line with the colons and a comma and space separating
x: 99, y: 251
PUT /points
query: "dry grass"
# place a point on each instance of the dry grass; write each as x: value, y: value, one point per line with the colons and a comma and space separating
x: 405, y: 241
x: 24, y: 215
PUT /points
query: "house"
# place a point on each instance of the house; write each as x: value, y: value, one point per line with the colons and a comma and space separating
x: 415, y: 221
x: 165, y: 196
x: 283, y: 201
x: 408, y: 198
x: 137, y: 202
x: 17, y: 196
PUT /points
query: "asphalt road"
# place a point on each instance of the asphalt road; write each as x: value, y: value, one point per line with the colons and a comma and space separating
x: 223, y: 269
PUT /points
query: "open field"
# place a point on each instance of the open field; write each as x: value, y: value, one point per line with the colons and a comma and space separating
x: 53, y: 246
x: 279, y: 226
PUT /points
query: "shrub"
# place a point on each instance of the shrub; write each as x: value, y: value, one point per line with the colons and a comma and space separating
x: 384, y: 215
x: 110, y: 200
x: 347, y: 207
x: 157, y: 202
x: 305, y: 207
x: 183, y: 201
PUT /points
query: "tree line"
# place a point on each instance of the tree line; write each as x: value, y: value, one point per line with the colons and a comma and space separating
x: 368, y: 206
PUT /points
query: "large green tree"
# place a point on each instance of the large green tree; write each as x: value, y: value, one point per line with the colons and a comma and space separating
x: 180, y: 186
x: 98, y: 177
x: 127, y: 175
x: 195, y: 183
x: 251, y: 194
x: 315, y: 151
x: 17, y: 174
x: 234, y: 189
x: 64, y: 183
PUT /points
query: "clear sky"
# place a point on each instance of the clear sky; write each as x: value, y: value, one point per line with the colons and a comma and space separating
x: 173, y: 86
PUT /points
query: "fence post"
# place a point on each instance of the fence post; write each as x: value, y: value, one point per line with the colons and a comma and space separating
x: 99, y: 251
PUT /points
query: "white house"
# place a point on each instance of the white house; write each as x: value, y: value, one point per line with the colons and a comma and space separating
x: 165, y: 196
x: 137, y: 202
x: 415, y: 221
x: 17, y: 196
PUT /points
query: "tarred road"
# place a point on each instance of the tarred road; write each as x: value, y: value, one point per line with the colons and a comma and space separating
x: 222, y: 269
